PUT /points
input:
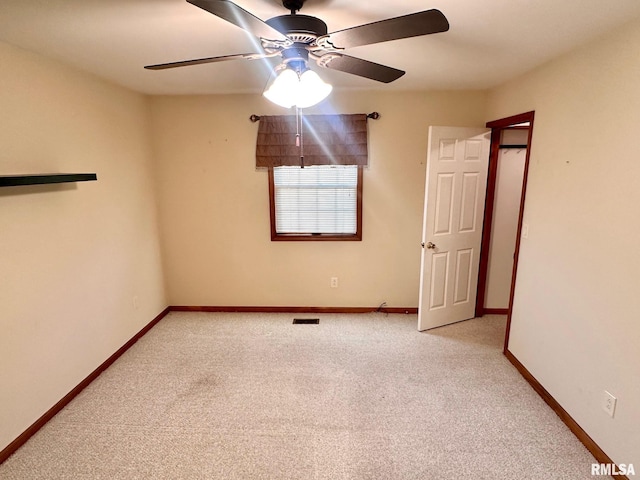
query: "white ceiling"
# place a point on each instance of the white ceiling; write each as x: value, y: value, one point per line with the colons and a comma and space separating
x: 489, y: 42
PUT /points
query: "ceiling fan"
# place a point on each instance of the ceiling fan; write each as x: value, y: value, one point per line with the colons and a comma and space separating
x: 296, y: 38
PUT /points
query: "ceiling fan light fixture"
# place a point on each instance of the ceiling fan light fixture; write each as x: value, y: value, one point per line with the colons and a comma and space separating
x: 303, y: 90
x: 281, y: 91
x: 312, y: 89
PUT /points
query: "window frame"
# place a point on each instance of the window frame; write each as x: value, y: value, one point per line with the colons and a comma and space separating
x: 322, y: 237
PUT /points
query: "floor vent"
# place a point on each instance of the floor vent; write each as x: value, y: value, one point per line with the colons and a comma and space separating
x: 306, y: 321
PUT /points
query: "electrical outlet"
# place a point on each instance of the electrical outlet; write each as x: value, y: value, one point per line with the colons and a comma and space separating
x: 135, y: 302
x: 334, y: 282
x: 525, y: 230
x: 609, y: 403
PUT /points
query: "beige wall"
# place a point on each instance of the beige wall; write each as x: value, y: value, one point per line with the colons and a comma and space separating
x: 215, y: 209
x: 71, y: 257
x: 575, y: 321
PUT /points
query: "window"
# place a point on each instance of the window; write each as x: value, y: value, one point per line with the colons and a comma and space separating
x: 319, y: 202
x: 322, y: 201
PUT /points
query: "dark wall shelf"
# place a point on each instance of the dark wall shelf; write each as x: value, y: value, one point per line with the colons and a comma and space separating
x: 44, y: 178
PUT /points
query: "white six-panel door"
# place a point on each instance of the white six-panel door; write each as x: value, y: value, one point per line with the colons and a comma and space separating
x: 457, y: 164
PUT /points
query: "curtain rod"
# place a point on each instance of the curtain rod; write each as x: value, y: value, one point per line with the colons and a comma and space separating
x: 373, y: 115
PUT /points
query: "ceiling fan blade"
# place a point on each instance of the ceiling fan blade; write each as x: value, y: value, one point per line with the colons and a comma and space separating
x: 413, y: 25
x: 360, y: 67
x: 200, y: 61
x: 232, y: 13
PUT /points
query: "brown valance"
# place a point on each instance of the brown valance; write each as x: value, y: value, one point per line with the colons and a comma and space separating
x: 326, y: 140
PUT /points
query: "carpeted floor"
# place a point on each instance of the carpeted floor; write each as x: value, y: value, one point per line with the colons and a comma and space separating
x: 251, y: 396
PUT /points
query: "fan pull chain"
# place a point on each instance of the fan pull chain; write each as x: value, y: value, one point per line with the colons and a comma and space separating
x: 297, y: 128
x: 299, y: 135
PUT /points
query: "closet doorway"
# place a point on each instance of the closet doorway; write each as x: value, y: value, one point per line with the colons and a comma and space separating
x: 504, y: 207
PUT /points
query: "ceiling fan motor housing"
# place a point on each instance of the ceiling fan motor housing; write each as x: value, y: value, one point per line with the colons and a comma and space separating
x: 299, y: 28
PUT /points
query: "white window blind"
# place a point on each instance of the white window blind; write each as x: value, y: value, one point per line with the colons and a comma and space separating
x: 320, y: 199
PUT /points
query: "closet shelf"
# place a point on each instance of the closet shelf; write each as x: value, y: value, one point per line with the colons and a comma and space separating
x: 44, y: 178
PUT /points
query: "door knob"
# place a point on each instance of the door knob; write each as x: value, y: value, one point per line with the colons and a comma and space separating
x: 431, y: 245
